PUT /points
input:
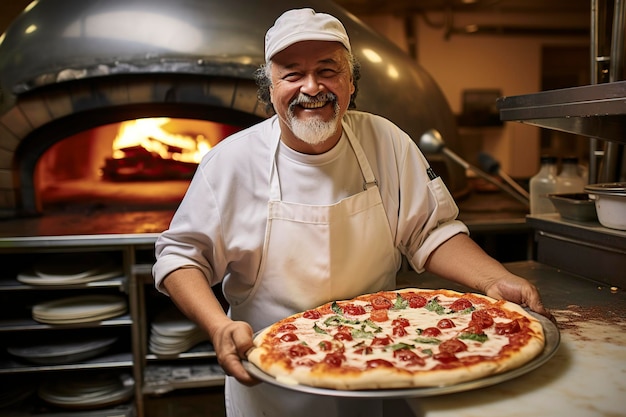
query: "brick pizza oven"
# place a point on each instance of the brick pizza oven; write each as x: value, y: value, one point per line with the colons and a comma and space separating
x: 68, y: 67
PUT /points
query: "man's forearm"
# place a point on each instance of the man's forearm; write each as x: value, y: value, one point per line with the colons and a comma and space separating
x: 461, y: 260
x: 194, y: 297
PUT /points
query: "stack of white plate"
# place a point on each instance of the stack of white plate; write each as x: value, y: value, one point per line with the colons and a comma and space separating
x: 68, y: 350
x: 172, y: 333
x: 80, y: 309
x: 68, y: 269
x: 103, y: 390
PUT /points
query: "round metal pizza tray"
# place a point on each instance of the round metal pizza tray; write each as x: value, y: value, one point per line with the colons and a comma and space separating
x: 552, y: 336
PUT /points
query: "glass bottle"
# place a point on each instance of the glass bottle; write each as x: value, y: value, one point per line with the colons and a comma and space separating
x: 542, y: 184
x: 569, y: 180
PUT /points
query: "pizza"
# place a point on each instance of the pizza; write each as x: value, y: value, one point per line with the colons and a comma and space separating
x: 407, y: 338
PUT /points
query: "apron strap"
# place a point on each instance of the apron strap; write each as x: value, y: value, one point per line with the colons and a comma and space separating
x: 368, y: 175
x: 274, y: 142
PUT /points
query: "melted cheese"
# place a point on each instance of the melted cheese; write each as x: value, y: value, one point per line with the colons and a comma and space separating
x: 419, y: 318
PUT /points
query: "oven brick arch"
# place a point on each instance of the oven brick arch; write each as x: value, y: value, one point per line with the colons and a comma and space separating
x: 80, y: 100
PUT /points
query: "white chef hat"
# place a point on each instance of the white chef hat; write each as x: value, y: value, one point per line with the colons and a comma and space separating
x: 303, y: 25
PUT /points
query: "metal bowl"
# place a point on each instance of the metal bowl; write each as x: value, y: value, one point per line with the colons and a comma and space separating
x: 610, y: 202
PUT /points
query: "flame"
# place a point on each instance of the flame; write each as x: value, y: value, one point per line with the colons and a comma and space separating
x: 149, y: 134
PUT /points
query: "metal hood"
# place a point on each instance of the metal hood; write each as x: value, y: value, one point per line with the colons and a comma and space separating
x: 56, y: 41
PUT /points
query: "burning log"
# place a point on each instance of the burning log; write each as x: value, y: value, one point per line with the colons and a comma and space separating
x: 139, y: 164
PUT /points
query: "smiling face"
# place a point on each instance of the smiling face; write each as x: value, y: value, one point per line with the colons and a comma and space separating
x: 311, y: 88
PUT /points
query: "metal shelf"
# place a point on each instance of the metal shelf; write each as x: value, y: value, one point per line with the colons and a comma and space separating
x: 596, y: 111
x: 119, y: 360
x: 26, y: 323
x: 12, y: 284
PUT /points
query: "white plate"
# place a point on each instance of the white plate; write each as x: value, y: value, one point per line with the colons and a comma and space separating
x: 82, y: 395
x: 87, y: 319
x: 172, y: 322
x: 31, y: 278
x: 79, y: 307
x: 553, y: 339
x: 69, y: 350
x: 71, y: 265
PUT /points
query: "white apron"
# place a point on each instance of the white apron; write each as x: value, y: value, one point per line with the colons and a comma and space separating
x: 312, y: 255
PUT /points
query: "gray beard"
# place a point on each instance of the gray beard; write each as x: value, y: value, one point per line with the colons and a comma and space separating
x: 314, y: 131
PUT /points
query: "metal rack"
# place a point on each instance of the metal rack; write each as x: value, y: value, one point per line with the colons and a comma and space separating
x: 135, y: 252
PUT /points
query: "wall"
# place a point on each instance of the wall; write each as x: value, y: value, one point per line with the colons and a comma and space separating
x: 511, y: 63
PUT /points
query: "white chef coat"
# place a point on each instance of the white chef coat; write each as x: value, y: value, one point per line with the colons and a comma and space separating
x: 220, y: 224
x: 250, y: 300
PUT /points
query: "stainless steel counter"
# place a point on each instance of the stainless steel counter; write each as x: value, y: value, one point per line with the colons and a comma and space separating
x: 586, y: 376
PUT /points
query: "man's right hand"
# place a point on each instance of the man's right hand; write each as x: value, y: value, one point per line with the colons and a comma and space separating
x: 231, y: 341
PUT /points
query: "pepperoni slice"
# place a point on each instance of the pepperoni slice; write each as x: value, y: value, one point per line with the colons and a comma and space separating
x: 452, y: 346
x: 353, y: 309
x: 297, y: 351
x: 399, y: 331
x: 482, y: 319
x: 312, y: 314
x: 381, y: 303
x: 473, y: 328
x: 495, y: 312
x: 325, y: 346
x: 287, y: 328
x: 430, y: 332
x: 334, y: 359
x: 461, y: 304
x: 289, y: 337
x: 381, y: 341
x: 343, y: 335
x: 401, y: 321
x: 417, y: 301
x: 508, y: 328
x: 379, y: 315
x: 445, y: 324
x: 408, y: 356
x: 445, y: 357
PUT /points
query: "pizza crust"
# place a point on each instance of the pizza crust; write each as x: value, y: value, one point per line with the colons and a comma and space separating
x: 267, y: 355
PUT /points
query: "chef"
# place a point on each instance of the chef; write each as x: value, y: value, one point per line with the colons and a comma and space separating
x: 316, y: 203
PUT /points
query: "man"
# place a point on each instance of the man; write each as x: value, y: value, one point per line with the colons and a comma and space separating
x: 314, y: 204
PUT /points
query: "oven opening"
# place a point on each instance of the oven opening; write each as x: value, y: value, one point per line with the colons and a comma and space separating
x: 138, y: 164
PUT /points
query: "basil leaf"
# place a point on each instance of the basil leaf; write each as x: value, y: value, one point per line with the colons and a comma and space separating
x: 400, y: 303
x: 434, y: 306
x: 373, y: 325
x: 332, y: 321
x: 318, y: 329
x: 361, y: 334
x: 482, y: 338
x: 467, y: 310
x: 335, y: 307
x: 399, y: 346
x: 428, y: 340
x: 338, y: 320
